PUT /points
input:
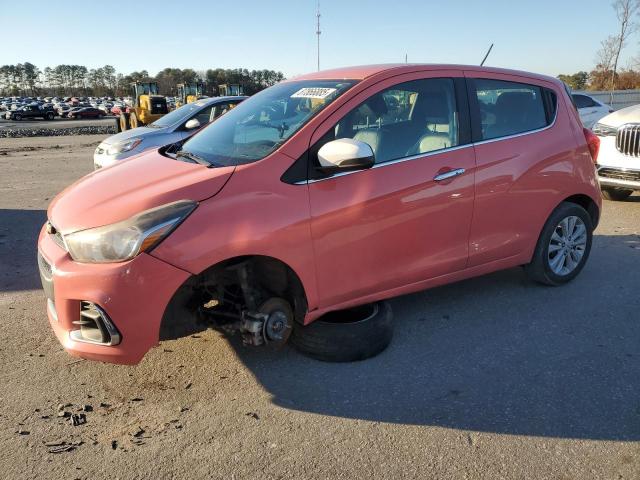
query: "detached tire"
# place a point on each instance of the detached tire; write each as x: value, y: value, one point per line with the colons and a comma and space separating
x: 616, y: 194
x: 346, y: 335
x: 563, y: 246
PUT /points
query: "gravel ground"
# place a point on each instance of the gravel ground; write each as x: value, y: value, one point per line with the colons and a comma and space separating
x: 57, y: 127
x: 489, y: 378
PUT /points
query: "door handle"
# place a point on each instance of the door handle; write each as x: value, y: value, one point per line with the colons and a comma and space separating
x: 450, y: 174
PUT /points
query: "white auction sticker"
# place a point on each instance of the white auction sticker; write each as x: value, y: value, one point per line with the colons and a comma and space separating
x: 313, y: 92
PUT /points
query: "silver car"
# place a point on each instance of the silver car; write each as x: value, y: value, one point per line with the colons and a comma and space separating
x: 171, y: 128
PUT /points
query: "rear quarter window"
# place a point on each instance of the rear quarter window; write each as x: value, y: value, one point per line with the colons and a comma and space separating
x: 511, y: 108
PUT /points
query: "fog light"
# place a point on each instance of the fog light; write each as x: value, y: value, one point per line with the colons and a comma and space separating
x: 95, y: 326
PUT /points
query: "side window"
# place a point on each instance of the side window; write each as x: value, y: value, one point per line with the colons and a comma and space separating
x: 509, y: 108
x: 408, y: 119
x: 204, y: 115
x: 223, y: 108
x: 583, y: 101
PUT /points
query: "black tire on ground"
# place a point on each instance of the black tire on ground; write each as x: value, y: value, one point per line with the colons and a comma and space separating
x: 49, y: 116
x: 616, y: 194
x: 17, y: 117
x: 539, y: 269
x: 124, y: 121
x: 347, y: 335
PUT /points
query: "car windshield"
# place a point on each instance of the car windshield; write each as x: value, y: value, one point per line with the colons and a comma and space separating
x: 259, y: 125
x: 178, y: 115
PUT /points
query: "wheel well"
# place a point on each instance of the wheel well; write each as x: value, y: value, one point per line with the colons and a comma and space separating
x: 231, y: 286
x: 586, y: 202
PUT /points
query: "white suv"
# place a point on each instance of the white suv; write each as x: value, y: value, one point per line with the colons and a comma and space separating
x: 619, y: 157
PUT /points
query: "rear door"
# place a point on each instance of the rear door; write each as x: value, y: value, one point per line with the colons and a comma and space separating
x: 401, y: 221
x: 522, y: 156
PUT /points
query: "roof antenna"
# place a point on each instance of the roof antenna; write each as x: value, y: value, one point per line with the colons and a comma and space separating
x: 485, y: 57
x: 318, y: 32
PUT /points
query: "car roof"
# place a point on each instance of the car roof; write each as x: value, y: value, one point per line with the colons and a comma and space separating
x: 362, y: 72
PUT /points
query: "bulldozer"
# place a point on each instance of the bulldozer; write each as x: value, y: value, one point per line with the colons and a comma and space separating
x: 188, y: 93
x: 147, y: 106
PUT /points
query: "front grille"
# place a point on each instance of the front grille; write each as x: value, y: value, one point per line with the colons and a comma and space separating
x: 628, y: 140
x: 631, y: 175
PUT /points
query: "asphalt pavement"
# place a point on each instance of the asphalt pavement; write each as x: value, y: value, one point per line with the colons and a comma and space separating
x: 490, y: 378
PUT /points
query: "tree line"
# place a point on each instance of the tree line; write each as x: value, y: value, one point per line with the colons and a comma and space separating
x: 26, y: 79
x: 607, y: 73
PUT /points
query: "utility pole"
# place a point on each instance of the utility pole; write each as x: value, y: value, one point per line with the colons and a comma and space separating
x: 318, y: 32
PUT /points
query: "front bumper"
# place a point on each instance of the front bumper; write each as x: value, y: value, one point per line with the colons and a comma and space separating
x: 616, y: 169
x: 133, y: 294
x: 625, y: 178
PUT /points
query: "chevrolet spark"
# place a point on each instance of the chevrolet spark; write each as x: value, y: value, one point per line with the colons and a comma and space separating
x: 296, y: 215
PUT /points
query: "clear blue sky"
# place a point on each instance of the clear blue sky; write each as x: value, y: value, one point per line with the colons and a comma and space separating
x: 545, y: 36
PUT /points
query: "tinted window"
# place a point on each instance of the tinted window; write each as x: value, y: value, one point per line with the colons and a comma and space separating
x: 223, y: 108
x: 204, y: 115
x: 408, y: 119
x: 509, y: 108
x: 583, y: 101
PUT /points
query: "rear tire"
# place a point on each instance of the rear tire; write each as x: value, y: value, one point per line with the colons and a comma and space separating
x: 124, y: 121
x: 563, y: 247
x: 49, y: 116
x: 348, y: 335
x: 616, y: 194
x: 17, y: 117
x: 133, y: 120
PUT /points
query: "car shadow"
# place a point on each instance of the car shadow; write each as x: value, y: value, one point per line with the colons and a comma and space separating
x: 493, y: 354
x: 19, y: 231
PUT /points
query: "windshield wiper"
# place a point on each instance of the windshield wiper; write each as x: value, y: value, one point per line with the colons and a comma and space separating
x: 192, y: 157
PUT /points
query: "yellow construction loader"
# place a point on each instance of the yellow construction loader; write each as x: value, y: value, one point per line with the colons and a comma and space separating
x: 189, y: 93
x: 147, y: 106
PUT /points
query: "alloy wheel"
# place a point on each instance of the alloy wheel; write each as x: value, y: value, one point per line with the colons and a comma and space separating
x: 567, y: 245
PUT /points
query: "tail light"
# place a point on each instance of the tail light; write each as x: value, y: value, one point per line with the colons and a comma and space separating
x: 593, y: 142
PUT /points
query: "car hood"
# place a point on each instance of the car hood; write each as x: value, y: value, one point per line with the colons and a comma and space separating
x: 116, y: 193
x: 135, y: 133
x: 625, y: 115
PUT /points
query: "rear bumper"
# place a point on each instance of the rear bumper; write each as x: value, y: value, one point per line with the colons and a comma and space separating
x: 132, y: 294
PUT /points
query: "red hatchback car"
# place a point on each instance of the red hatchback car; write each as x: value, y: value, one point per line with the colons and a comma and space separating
x: 302, y: 209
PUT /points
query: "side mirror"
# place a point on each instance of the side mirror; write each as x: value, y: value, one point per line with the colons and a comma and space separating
x: 345, y: 154
x: 191, y: 124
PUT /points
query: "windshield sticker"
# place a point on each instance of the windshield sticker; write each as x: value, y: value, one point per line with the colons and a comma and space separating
x: 313, y: 92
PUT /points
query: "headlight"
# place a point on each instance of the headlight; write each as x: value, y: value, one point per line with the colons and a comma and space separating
x: 124, y: 240
x: 603, y: 130
x: 123, y: 146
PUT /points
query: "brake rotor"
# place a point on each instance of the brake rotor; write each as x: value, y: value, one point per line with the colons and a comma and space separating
x: 279, y: 322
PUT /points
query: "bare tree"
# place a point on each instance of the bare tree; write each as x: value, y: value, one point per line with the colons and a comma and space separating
x: 626, y: 10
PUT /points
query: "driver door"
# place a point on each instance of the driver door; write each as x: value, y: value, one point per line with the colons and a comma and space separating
x: 400, y: 222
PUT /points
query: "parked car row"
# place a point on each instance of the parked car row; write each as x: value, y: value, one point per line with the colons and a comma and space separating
x: 590, y: 109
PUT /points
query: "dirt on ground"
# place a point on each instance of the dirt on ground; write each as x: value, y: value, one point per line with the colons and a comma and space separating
x: 489, y: 378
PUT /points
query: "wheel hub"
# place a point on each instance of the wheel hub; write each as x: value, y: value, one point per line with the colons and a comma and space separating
x: 567, y: 245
